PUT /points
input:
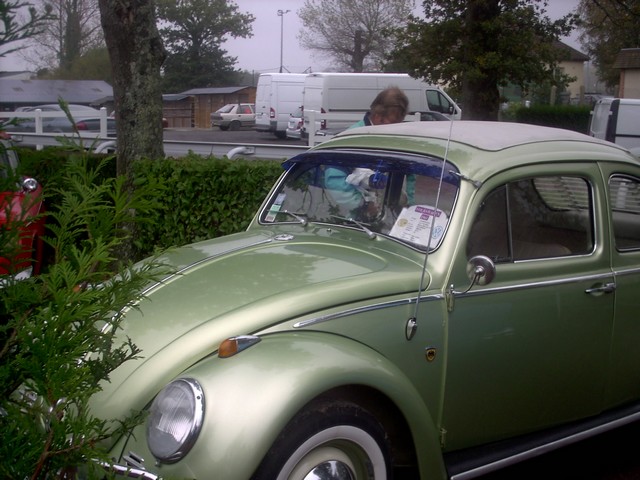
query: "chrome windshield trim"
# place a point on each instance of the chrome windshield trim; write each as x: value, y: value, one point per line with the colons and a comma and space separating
x: 366, y: 308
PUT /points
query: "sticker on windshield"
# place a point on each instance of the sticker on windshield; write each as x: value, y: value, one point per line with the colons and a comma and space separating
x: 275, y: 208
x: 414, y: 224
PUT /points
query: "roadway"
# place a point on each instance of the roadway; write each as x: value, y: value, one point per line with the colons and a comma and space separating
x: 245, y: 136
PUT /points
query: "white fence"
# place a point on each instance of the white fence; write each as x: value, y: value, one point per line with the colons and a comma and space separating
x: 39, y: 115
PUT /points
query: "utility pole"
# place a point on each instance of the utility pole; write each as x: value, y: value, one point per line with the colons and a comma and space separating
x: 281, y: 15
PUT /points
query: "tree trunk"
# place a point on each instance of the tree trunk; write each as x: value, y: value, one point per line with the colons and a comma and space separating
x: 480, y: 95
x: 136, y: 54
x: 480, y: 99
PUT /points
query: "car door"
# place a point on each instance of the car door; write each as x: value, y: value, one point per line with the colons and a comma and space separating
x: 530, y: 349
x: 624, y: 210
x: 246, y: 115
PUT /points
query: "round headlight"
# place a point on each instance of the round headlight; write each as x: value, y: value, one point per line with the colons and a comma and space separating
x: 175, y: 420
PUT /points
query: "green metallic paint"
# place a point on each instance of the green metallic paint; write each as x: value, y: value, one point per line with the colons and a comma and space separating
x: 257, y: 284
x: 285, y: 371
x: 527, y: 351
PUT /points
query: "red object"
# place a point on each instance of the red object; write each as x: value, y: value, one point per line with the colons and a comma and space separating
x: 21, y: 208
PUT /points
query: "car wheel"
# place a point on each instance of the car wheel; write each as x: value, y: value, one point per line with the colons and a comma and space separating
x: 235, y: 125
x: 336, y: 441
x: 224, y: 128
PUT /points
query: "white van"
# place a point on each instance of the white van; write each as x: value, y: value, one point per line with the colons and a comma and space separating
x: 352, y: 93
x: 278, y: 95
x: 617, y: 120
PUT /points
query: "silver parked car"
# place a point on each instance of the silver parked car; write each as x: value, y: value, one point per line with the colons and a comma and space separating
x: 234, y: 116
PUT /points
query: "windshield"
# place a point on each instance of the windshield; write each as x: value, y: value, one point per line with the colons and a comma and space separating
x: 225, y: 109
x: 379, y: 192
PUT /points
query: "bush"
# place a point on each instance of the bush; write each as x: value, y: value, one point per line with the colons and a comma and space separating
x: 197, y: 197
x: 202, y: 198
x: 58, y: 330
x: 570, y: 117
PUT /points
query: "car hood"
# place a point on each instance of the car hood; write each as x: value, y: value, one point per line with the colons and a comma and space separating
x: 242, y: 284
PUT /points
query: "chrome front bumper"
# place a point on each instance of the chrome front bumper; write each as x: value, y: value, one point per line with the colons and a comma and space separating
x: 129, y: 472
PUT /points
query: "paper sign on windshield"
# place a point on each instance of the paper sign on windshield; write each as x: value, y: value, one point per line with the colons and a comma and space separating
x: 415, y: 225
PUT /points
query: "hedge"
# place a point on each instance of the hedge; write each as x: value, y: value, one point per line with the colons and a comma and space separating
x: 570, y: 117
x: 202, y: 197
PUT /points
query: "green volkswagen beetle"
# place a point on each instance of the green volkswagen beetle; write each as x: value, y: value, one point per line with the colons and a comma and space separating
x: 426, y: 300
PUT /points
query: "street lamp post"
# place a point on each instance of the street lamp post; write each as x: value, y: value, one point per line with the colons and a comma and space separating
x: 281, y: 15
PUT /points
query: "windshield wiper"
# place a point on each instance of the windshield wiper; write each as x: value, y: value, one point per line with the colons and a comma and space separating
x: 371, y: 234
x: 303, y: 221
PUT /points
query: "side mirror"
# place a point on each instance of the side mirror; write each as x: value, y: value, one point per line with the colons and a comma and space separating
x: 481, y: 270
x: 29, y: 184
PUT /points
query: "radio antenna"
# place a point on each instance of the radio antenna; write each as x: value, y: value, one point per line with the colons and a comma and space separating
x: 412, y: 326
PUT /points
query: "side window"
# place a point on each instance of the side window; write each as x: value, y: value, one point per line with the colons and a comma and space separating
x: 624, y: 200
x: 438, y: 102
x: 542, y: 217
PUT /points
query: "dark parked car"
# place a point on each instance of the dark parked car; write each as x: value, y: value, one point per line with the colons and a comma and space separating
x: 424, y: 300
x: 21, y: 204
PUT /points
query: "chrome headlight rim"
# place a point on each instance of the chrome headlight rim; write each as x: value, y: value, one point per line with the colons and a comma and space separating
x: 195, y: 397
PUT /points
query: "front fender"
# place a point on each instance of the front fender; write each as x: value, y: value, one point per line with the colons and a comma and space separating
x: 252, y: 396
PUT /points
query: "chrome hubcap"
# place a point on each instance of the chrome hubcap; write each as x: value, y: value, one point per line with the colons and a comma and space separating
x: 331, y: 470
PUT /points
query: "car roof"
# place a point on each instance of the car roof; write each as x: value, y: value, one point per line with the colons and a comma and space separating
x: 480, y: 149
x: 56, y: 107
x: 489, y: 136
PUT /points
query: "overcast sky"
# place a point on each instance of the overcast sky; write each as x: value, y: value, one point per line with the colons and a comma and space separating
x: 261, y: 52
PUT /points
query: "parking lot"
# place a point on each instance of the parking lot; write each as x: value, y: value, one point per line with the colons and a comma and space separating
x: 245, y: 135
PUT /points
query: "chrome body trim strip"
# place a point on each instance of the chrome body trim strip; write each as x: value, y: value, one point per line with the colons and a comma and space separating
x: 549, y: 447
x: 627, y: 271
x: 366, y: 308
x: 546, y: 283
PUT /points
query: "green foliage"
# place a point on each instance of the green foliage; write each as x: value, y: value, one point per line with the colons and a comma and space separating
x: 570, y: 117
x: 196, y: 197
x: 607, y: 26
x: 58, y: 330
x: 475, y: 46
x: 48, y: 167
x: 202, y: 198
x: 94, y: 64
x: 193, y: 32
x: 14, y: 29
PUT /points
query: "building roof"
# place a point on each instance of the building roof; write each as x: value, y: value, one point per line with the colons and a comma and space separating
x: 214, y: 90
x: 571, y: 54
x: 48, y: 91
x: 628, y: 58
x: 174, y: 97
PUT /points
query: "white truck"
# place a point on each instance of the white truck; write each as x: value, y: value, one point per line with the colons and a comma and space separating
x: 352, y: 93
x: 617, y: 120
x: 278, y: 95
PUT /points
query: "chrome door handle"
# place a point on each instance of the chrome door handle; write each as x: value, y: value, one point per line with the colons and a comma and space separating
x: 605, y: 288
